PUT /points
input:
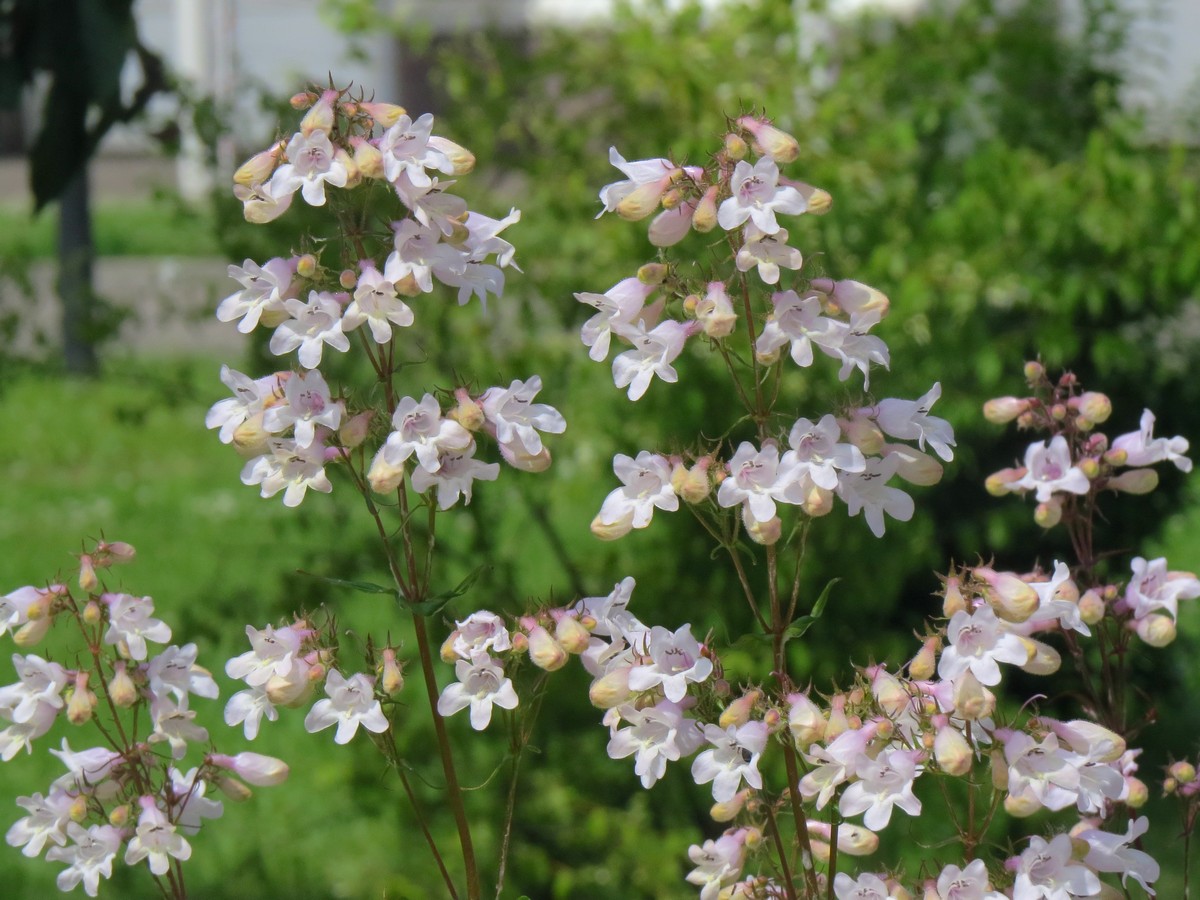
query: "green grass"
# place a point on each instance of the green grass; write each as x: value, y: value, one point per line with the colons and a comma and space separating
x: 159, y: 227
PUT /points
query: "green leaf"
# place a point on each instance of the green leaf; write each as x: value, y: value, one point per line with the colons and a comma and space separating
x: 438, y: 602
x: 365, y: 587
x: 802, y: 624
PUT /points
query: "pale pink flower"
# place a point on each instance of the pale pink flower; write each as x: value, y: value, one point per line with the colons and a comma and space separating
x: 657, y: 735
x: 351, y: 702
x: 978, y: 641
x: 768, y: 252
x: 909, y: 420
x: 312, y: 325
x: 757, y: 479
x: 156, y: 840
x: 455, y: 476
x: 864, y: 887
x: 308, y: 404
x: 517, y: 418
x: 1045, y: 871
x: 481, y: 685
x: 646, y: 485
x: 264, y: 290
x: 376, y: 303
x: 733, y: 758
x: 618, y: 306
x: 1049, y: 469
x: 312, y: 163
x: 1154, y: 588
x: 131, y: 624
x: 420, y: 429
x: 868, y: 492
x: 718, y: 863
x: 89, y: 858
x: 757, y: 196
x: 883, y: 782
x: 47, y: 820
x: 675, y: 661
x: 1143, y: 449
x: 652, y: 354
x: 1115, y: 853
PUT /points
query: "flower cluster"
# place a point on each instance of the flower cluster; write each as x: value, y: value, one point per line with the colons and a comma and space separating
x: 130, y: 793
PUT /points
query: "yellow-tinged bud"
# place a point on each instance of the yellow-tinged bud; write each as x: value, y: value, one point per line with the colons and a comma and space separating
x: 544, y: 651
x: 466, y: 412
x: 1002, y: 410
x: 383, y: 476
x: 447, y: 652
x: 1021, y: 806
x: 392, y: 678
x: 610, y: 531
x: 289, y: 691
x: 728, y: 811
x: 1091, y: 607
x: 250, y: 438
x: 652, y: 273
x: 82, y: 701
x: 385, y: 114
x: 771, y: 141
x: 820, y: 850
x: 78, y: 810
x: 1182, y: 771
x: 891, y: 695
x: 258, y: 168
x: 863, y: 434
x: 999, y: 483
x: 738, y: 712
x: 672, y: 198
x: 92, y: 613
x: 1011, y: 598
x: 971, y: 699
x: 922, y: 666
x: 693, y: 484
x: 121, y: 689
x: 914, y: 466
x: 1090, y: 467
x: 766, y: 533
x: 87, y: 574
x: 233, y: 789
x: 769, y: 358
x: 355, y: 429
x: 306, y: 266
x: 836, y: 723
x: 1095, y: 406
x: 119, y: 815
x: 1109, y: 892
x: 805, y: 721
x: 571, y: 634
x: 520, y: 643
x: 643, y: 199
x: 819, y: 201
x: 1116, y: 457
x: 715, y: 311
x: 1043, y: 659
x: 460, y: 159
x: 1136, y: 792
x: 1034, y: 372
x: 611, y: 689
x: 32, y: 632
x: 896, y: 891
x: 407, y: 286
x: 855, y: 840
x: 817, y: 502
x: 354, y: 176
x: 704, y: 217
x: 952, y: 597
x: 1135, y: 481
x: 348, y: 279
x: 320, y: 116
x: 952, y: 751
x: 735, y: 147
x: 753, y: 837
x: 851, y: 297
x: 368, y: 159
x: 1156, y: 630
x: 1049, y: 513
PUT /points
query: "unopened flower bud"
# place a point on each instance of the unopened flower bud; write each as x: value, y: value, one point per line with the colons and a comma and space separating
x: 643, y: 200
x: 1156, y: 630
x: 1000, y: 483
x: 1091, y: 607
x: 259, y: 770
x: 1134, y: 481
x: 302, y: 100
x: 1095, y: 406
x: 896, y: 891
x: 914, y: 466
x: 514, y: 453
x: 384, y: 114
x: 1182, y: 771
x: 715, y: 311
x: 1034, y: 372
x: 250, y: 438
x: 819, y: 201
x: 233, y: 789
x: 544, y: 651
x: 863, y: 434
x: 952, y: 752
x: 1021, y: 806
x: 971, y: 699
x: 652, y: 273
x: 348, y: 279
x: 692, y: 485
x: 291, y: 690
x: 1136, y: 792
x: 258, y: 168
x: 573, y: 637
x: 767, y: 358
x: 32, y: 632
x: 805, y: 720
x: 922, y: 666
x: 1090, y: 467
x: 952, y: 597
x: 121, y: 689
x: 735, y: 146
x: 771, y: 141
x: 766, y: 533
x: 92, y: 613
x: 1011, y: 598
x: 87, y: 574
x: 817, y: 502
x: 520, y: 642
x: 1043, y: 659
x: 306, y: 265
x: 119, y: 815
x: 738, y: 712
x: 851, y: 297
x: 1048, y: 513
x: 610, y: 531
x: 611, y: 689
x: 447, y: 651
x: 355, y: 429
x: 1058, y: 412
x: 461, y: 160
x: 1115, y: 457
x: 383, y: 476
x: 78, y: 809
x: 728, y: 811
x: 391, y: 678
x: 320, y: 115
x: 466, y: 411
x: 704, y: 217
x: 82, y: 702
x: 117, y: 551
x: 1002, y: 410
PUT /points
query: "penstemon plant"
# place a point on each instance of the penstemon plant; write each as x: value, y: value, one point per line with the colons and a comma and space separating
x: 803, y: 781
x: 129, y: 796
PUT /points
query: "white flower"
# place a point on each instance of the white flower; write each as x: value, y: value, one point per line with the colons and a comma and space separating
x: 175, y: 670
x: 312, y: 162
x: 868, y: 492
x: 47, y: 821
x: 758, y: 479
x: 290, y: 468
x: 1143, y: 449
x: 1152, y: 588
x: 657, y: 734
x: 351, y: 703
x: 131, y: 623
x: 757, y: 196
x: 640, y: 173
x: 734, y: 757
x: 89, y: 857
x: 653, y: 353
x: 1045, y: 872
x: 864, y: 887
x: 420, y: 429
x: 456, y: 474
x: 376, y: 303
x: 312, y: 325
x: 264, y: 290
x: 308, y: 405
x: 517, y: 417
x: 971, y: 883
x: 718, y: 863
x: 817, y: 452
x: 1048, y: 469
x: 910, y: 420
x: 884, y: 782
x: 646, y: 485
x: 156, y: 840
x: 796, y: 320
x: 1113, y: 853
x: 481, y: 684
x: 676, y: 659
x: 978, y: 641
x: 618, y: 306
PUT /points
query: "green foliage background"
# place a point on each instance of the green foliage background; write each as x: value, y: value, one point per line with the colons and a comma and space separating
x: 984, y: 176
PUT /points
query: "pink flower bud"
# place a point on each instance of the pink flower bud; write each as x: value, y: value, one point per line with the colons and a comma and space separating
x: 805, y: 720
x: 952, y: 596
x: 863, y: 433
x: 383, y: 476
x: 1134, y: 481
x: 259, y: 770
x: 766, y: 533
x: 82, y: 701
x: 1000, y: 483
x: 355, y: 429
x: 1116, y: 457
x: 515, y: 454
x: 1034, y: 373
x: 922, y: 666
x: 971, y: 699
x: 819, y: 201
x: 728, y: 811
x: 610, y: 531
x: 78, y: 810
x: 853, y: 840
x: 119, y: 815
x: 817, y: 502
x: 771, y: 141
x: 1095, y: 406
x: 952, y: 752
x: 466, y: 412
x: 1091, y: 607
x: 391, y: 678
x: 87, y: 574
x: 1002, y: 410
x: 1182, y: 771
x: 233, y: 789
x: 693, y: 485
x: 1090, y: 467
x: 643, y: 199
x: 258, y: 168
x: 704, y: 217
x: 914, y: 466
x: 32, y: 632
x: 1156, y: 630
x: 1136, y: 792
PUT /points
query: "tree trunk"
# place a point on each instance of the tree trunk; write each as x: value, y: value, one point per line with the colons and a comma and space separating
x: 75, y: 277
